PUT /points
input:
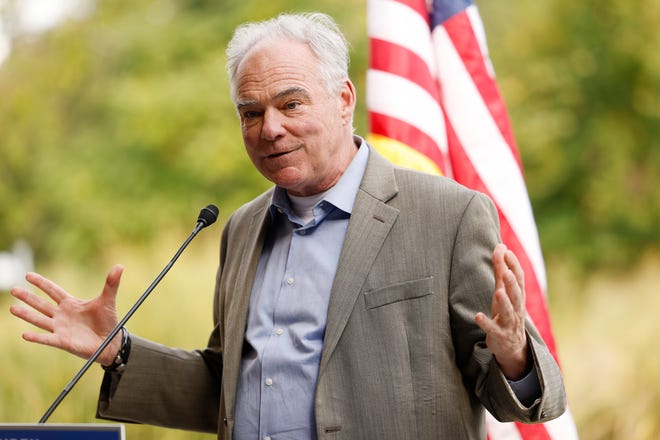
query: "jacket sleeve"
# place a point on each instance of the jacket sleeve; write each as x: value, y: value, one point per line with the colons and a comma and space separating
x: 471, y: 289
x: 165, y: 387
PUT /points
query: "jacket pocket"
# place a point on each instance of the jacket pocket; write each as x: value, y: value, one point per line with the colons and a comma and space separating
x: 398, y: 292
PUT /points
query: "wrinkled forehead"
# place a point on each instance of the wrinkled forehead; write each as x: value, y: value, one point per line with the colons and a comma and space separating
x: 279, y: 64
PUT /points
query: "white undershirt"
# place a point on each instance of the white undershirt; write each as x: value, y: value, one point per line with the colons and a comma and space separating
x: 303, y: 206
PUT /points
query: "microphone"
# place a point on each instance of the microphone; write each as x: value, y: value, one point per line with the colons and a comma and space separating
x: 207, y: 216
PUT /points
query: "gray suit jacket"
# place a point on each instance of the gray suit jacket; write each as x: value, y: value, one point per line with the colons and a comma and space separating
x: 403, y: 357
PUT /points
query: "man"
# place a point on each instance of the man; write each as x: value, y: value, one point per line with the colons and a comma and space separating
x: 351, y: 298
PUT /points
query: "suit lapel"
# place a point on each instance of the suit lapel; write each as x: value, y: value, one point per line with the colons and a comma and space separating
x: 236, y: 315
x: 369, y: 226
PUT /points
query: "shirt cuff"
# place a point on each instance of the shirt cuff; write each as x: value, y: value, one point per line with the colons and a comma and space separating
x: 527, y: 389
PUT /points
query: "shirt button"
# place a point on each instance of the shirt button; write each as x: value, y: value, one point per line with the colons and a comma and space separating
x: 303, y: 232
x: 266, y: 437
x: 290, y: 280
x: 279, y: 331
x: 269, y: 381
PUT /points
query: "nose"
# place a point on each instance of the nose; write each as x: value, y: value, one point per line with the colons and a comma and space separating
x: 272, y: 127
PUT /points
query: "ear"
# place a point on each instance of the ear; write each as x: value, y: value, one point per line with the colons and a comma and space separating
x: 347, y: 101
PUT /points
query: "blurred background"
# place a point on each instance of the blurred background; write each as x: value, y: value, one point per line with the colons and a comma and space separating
x: 116, y: 127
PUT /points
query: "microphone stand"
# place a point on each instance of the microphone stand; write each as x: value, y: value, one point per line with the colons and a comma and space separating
x: 202, y: 222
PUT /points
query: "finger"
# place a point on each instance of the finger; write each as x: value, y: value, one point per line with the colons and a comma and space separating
x: 514, y: 265
x: 49, y: 339
x: 514, y: 293
x: 503, y: 309
x: 485, y: 323
x: 32, y: 317
x: 112, y: 282
x: 47, y: 286
x: 35, y: 301
x: 499, y: 264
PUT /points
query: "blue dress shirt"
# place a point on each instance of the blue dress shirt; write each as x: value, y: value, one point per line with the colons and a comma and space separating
x: 287, y: 313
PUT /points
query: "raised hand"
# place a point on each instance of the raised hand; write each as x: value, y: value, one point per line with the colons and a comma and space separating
x: 71, y: 324
x: 505, y: 329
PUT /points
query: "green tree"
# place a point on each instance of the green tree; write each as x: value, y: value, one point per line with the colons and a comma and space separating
x: 582, y: 81
x: 119, y: 125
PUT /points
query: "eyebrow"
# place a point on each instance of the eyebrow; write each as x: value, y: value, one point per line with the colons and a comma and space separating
x: 284, y: 93
x: 241, y: 104
x: 292, y: 91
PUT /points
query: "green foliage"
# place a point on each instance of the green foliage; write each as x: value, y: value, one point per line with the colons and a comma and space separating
x: 120, y: 125
x: 582, y: 81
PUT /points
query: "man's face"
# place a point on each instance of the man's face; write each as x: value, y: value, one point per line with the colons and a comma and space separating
x: 296, y: 132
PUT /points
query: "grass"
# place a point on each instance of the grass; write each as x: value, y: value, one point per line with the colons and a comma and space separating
x: 605, y: 327
x: 178, y: 312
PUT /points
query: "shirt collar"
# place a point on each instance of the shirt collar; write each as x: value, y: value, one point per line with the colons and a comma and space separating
x: 343, y: 193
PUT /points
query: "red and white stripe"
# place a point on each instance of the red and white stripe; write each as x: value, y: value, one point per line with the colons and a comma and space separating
x: 433, y: 90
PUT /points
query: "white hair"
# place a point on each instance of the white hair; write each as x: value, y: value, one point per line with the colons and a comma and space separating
x: 317, y: 30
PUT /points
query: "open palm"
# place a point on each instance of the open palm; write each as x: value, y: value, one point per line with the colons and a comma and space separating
x: 71, y: 324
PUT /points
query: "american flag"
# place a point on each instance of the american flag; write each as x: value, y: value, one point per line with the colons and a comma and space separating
x: 434, y: 105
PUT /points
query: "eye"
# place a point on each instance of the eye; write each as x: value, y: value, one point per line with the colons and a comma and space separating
x: 250, y: 114
x: 292, y: 105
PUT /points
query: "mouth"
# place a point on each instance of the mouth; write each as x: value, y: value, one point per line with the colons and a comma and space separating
x: 276, y: 155
x: 282, y: 153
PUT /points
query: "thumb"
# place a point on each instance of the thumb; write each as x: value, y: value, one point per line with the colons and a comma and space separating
x: 112, y: 282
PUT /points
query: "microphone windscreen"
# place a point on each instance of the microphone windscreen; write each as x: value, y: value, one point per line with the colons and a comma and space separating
x: 208, y: 215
